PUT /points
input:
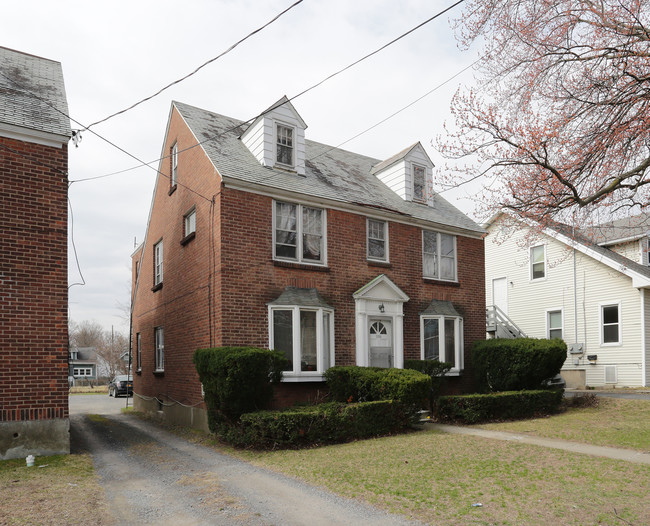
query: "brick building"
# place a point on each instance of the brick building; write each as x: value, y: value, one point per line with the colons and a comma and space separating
x: 34, y: 135
x: 258, y: 236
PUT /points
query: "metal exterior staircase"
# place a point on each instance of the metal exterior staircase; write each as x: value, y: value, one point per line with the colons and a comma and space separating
x: 498, y: 325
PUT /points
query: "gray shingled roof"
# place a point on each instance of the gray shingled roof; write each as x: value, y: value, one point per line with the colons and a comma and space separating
x: 331, y: 173
x: 440, y: 308
x: 298, y: 296
x: 29, y: 87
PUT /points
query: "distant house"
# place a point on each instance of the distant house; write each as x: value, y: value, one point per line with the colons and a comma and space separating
x: 260, y: 236
x: 34, y: 135
x: 83, y: 364
x: 590, y: 288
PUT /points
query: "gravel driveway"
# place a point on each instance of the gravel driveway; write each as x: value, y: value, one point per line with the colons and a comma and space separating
x: 153, y: 477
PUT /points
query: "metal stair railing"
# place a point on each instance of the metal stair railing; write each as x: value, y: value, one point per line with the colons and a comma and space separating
x: 498, y: 322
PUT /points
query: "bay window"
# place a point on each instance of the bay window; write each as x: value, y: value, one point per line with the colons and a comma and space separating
x: 301, y: 325
x: 441, y: 334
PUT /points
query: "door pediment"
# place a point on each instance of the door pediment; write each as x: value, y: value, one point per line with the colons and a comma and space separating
x: 381, y: 289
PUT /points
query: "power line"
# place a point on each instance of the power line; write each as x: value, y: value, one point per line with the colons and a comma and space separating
x: 243, y: 123
x: 252, y: 33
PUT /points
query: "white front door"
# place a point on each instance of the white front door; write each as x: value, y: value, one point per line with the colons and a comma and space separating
x: 380, y: 343
x: 500, y: 293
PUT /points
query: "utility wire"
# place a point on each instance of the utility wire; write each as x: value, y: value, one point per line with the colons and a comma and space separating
x: 244, y: 123
x: 252, y: 33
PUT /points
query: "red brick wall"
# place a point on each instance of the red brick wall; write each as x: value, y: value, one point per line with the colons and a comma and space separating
x: 238, y: 271
x: 33, y: 281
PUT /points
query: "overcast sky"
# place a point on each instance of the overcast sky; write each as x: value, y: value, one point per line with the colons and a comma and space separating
x: 117, y: 53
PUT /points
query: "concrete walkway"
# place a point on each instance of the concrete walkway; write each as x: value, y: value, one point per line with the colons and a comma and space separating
x: 576, y: 447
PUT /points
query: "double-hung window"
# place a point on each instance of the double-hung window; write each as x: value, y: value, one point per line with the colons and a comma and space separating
x: 284, y: 143
x: 610, y: 316
x: 304, y: 335
x: 538, y: 262
x: 160, y: 349
x: 173, y: 180
x: 299, y: 233
x: 377, y: 240
x: 442, y: 339
x: 189, y: 222
x: 438, y: 255
x: 419, y: 182
x: 158, y: 263
x: 554, y: 324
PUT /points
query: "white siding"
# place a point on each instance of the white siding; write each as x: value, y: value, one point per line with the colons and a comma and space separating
x: 529, y: 301
x: 646, y: 320
x: 253, y: 139
x: 630, y: 250
x: 394, y: 177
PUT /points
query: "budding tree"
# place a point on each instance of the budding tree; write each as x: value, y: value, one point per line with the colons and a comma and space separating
x: 559, y: 122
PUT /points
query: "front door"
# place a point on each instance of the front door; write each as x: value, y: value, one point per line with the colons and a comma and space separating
x: 380, y: 343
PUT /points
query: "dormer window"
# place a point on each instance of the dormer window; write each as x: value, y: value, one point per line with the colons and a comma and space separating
x: 419, y: 182
x: 284, y: 152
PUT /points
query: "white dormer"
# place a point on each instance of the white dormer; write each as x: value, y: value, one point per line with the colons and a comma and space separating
x: 277, y: 138
x: 409, y: 174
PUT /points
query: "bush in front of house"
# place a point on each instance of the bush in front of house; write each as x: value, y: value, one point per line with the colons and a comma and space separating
x: 407, y: 387
x: 327, y: 423
x: 476, y: 408
x: 516, y: 364
x: 436, y: 371
x: 237, y: 380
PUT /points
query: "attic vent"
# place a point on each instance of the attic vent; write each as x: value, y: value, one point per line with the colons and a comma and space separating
x: 611, y: 376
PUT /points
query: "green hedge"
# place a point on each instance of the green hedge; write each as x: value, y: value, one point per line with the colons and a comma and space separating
x: 367, y: 384
x: 472, y: 409
x: 237, y: 380
x: 516, y: 364
x: 311, y: 425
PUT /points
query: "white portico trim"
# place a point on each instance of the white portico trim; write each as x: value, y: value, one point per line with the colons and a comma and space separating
x: 380, y: 300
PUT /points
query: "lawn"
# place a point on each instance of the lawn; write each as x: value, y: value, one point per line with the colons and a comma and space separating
x: 453, y: 480
x: 60, y: 489
x: 615, y: 422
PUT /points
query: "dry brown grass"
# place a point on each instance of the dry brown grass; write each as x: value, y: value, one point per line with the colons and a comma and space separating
x: 57, y: 490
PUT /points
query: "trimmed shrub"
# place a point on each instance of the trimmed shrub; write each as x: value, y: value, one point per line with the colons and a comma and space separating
x: 435, y: 370
x: 516, y: 364
x: 366, y: 384
x: 472, y: 409
x: 320, y: 424
x: 237, y: 380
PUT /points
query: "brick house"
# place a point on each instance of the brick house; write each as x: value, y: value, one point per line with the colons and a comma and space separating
x: 259, y: 236
x: 34, y: 135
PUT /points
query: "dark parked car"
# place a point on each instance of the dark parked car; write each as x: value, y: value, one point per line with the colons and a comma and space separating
x: 121, y: 385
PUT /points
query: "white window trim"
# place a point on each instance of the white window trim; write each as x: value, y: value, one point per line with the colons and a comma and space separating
x: 174, y: 175
x: 548, y: 325
x: 530, y: 266
x: 159, y: 350
x: 459, y: 344
x: 425, y: 192
x: 293, y: 146
x: 386, y: 258
x: 82, y: 371
x: 299, y: 231
x: 190, y: 213
x: 296, y: 374
x: 439, y: 248
x: 601, y: 326
x: 158, y: 256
